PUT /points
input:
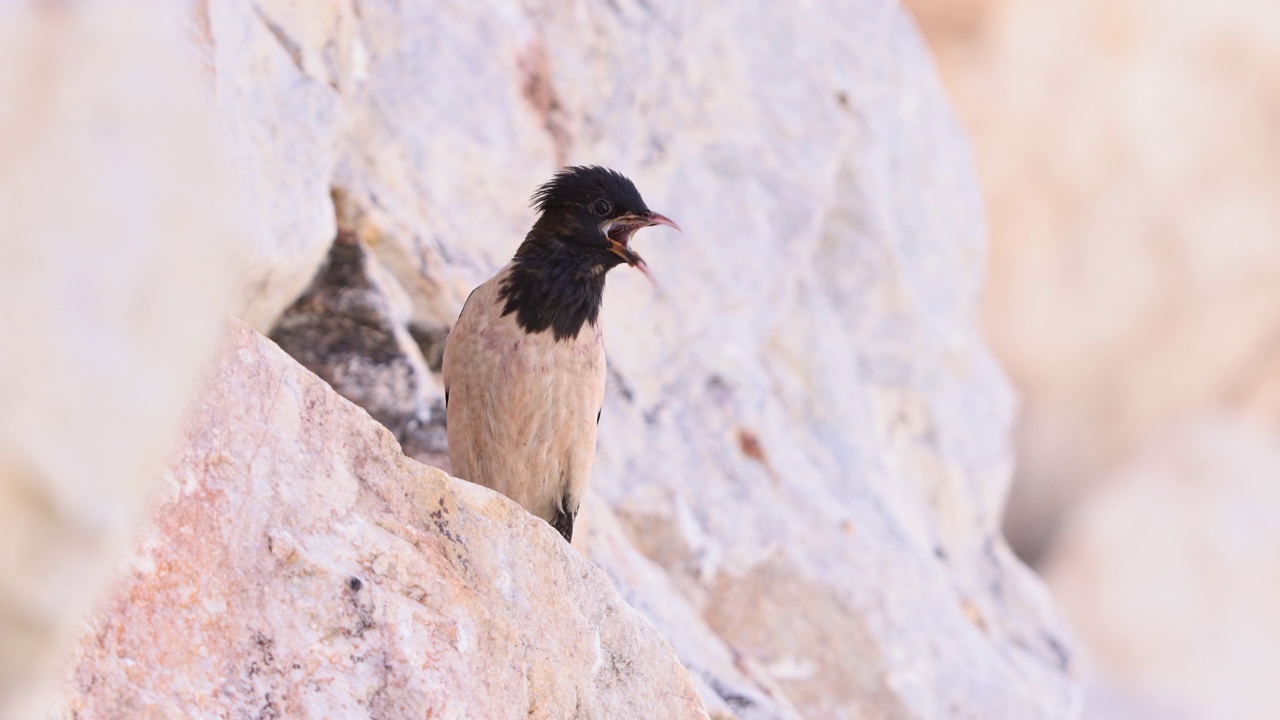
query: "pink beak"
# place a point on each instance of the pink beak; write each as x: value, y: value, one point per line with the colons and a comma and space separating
x: 658, y: 219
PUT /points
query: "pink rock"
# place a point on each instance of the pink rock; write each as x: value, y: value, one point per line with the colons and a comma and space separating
x: 300, y: 566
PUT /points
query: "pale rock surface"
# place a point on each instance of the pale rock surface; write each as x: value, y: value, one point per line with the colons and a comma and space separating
x: 804, y: 430
x: 282, y: 131
x: 1104, y: 700
x: 300, y: 566
x: 804, y: 451
x: 1127, y: 153
x: 346, y: 328
x: 119, y: 245
x: 733, y: 684
x: 1171, y: 572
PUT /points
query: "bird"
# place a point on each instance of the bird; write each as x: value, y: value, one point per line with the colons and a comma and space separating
x: 524, y: 365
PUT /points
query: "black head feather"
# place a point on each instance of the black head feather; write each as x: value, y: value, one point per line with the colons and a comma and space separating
x: 557, y: 278
x: 581, y: 185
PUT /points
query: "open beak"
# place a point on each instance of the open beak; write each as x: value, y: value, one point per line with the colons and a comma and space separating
x: 620, y: 229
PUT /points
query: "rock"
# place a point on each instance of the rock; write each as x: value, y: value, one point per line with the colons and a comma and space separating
x: 351, y: 328
x: 1169, y: 572
x: 1124, y: 150
x: 804, y: 430
x: 283, y: 131
x: 300, y: 566
x: 804, y: 450
x: 732, y: 683
x: 119, y: 248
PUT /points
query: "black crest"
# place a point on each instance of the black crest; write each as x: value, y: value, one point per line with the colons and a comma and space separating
x: 579, y: 186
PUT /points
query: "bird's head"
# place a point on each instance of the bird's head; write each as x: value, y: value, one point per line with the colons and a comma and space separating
x: 596, y: 210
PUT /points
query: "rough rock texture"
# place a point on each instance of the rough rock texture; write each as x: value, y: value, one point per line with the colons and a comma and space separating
x: 733, y: 684
x: 299, y: 566
x: 350, y: 327
x: 1127, y: 152
x: 804, y: 448
x: 804, y: 432
x: 118, y: 245
x: 1171, y: 572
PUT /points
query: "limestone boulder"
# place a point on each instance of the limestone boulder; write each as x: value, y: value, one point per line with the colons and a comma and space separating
x: 804, y: 432
x: 733, y: 683
x: 299, y: 565
x: 804, y: 450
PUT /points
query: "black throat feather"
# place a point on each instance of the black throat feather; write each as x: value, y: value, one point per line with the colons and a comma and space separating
x: 555, y: 285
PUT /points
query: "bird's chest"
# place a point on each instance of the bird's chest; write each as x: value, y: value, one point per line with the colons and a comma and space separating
x: 541, y: 360
x: 541, y: 354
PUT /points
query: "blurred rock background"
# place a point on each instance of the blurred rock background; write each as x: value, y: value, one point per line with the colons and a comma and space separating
x: 120, y: 248
x: 1129, y: 155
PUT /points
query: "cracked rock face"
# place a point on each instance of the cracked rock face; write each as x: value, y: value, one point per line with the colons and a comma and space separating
x: 804, y: 447
x: 299, y: 566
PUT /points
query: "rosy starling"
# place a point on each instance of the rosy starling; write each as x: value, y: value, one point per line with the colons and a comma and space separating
x: 524, y: 367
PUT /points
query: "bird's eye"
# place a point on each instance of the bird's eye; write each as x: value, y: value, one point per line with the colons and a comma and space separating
x: 601, y: 207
